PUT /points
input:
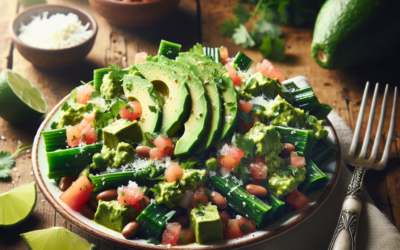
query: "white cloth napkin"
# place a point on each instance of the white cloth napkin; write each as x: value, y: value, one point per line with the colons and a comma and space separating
x: 375, y: 231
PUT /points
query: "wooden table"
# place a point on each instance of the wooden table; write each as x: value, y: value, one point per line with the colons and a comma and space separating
x: 192, y: 22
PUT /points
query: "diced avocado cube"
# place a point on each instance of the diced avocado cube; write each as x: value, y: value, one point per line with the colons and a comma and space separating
x: 121, y: 131
x: 206, y: 223
x: 111, y: 214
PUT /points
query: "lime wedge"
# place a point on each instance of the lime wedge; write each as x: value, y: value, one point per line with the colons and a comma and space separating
x: 17, y: 204
x: 55, y: 238
x: 20, y: 101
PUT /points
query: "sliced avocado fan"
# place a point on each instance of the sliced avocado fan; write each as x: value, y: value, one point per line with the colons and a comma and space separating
x: 214, y: 127
x: 143, y: 91
x: 172, y: 87
x: 195, y: 127
x: 225, y: 85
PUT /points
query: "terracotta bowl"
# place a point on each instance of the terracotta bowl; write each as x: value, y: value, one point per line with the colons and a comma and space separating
x: 52, y: 58
x: 134, y: 14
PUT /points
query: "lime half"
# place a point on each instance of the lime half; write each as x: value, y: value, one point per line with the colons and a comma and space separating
x: 17, y: 204
x: 57, y: 238
x: 20, y: 101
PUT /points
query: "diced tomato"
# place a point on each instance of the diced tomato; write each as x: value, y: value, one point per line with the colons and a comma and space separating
x: 173, y: 172
x: 88, y: 135
x: 136, y: 113
x: 235, y: 153
x: 156, y: 154
x: 83, y: 93
x: 259, y: 159
x: 73, y: 135
x: 78, y: 193
x: 224, y: 53
x: 251, y: 226
x: 245, y: 106
x: 228, y: 162
x: 258, y: 170
x: 233, y: 75
x: 165, y: 145
x: 296, y: 160
x: 171, y: 234
x: 130, y: 196
x: 199, y: 196
x: 186, y: 237
x: 233, y: 229
x: 269, y: 70
x: 297, y: 199
x: 140, y: 57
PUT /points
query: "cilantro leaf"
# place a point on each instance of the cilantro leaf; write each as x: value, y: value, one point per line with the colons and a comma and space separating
x: 89, y: 107
x: 65, y: 106
x: 117, y: 106
x: 273, y: 47
x: 4, y: 172
x: 102, y: 120
x: 292, y: 169
x: 242, y: 37
x: 228, y: 27
x: 283, y: 174
x: 197, y: 49
x: 267, y: 28
x: 244, y: 228
x: 156, y: 190
x: 116, y: 74
x: 158, y: 178
x: 152, y: 108
x: 6, y: 160
x: 241, y: 13
x: 54, y: 125
x: 190, y: 163
x: 246, y: 118
x: 247, y: 145
x: 256, y: 108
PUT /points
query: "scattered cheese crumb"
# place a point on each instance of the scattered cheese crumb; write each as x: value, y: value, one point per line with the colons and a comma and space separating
x: 2, y: 137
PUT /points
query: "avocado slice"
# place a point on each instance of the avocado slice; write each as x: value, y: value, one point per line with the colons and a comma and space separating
x: 206, y: 223
x: 226, y: 86
x: 173, y: 87
x: 141, y: 90
x: 195, y: 127
x: 214, y: 127
x: 122, y: 130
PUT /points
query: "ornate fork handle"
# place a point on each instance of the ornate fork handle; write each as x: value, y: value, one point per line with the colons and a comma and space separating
x: 344, y: 237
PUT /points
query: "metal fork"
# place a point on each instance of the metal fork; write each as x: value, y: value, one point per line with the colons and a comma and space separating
x: 344, y: 237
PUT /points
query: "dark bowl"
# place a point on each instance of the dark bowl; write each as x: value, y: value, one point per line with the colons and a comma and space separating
x: 52, y: 58
x: 134, y: 14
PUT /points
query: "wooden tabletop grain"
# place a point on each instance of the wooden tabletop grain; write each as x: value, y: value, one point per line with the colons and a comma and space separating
x: 193, y: 21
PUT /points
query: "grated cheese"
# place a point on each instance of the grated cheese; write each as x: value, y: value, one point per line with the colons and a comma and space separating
x: 56, y: 32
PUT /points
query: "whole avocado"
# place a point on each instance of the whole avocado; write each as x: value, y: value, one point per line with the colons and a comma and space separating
x: 354, y: 32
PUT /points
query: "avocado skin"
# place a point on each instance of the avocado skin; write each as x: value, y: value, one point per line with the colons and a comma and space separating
x: 354, y: 32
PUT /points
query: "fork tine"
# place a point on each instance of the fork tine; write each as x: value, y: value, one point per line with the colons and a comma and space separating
x: 367, y: 135
x: 378, y: 134
x: 389, y: 139
x: 357, y: 131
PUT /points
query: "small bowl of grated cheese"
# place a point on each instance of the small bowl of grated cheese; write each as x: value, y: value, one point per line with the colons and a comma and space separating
x: 53, y: 36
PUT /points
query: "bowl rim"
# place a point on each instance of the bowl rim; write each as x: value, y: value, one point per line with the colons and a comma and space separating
x: 128, y: 244
x: 130, y: 3
x: 92, y: 21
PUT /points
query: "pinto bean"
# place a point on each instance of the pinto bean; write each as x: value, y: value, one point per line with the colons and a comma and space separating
x: 218, y: 200
x: 131, y: 229
x: 256, y: 190
x: 287, y: 148
x: 143, y: 151
x: 87, y: 211
x: 133, y: 215
x: 108, y: 195
x: 183, y: 220
x: 66, y: 182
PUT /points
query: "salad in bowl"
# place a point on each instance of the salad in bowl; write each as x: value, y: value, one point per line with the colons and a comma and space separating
x: 188, y: 147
